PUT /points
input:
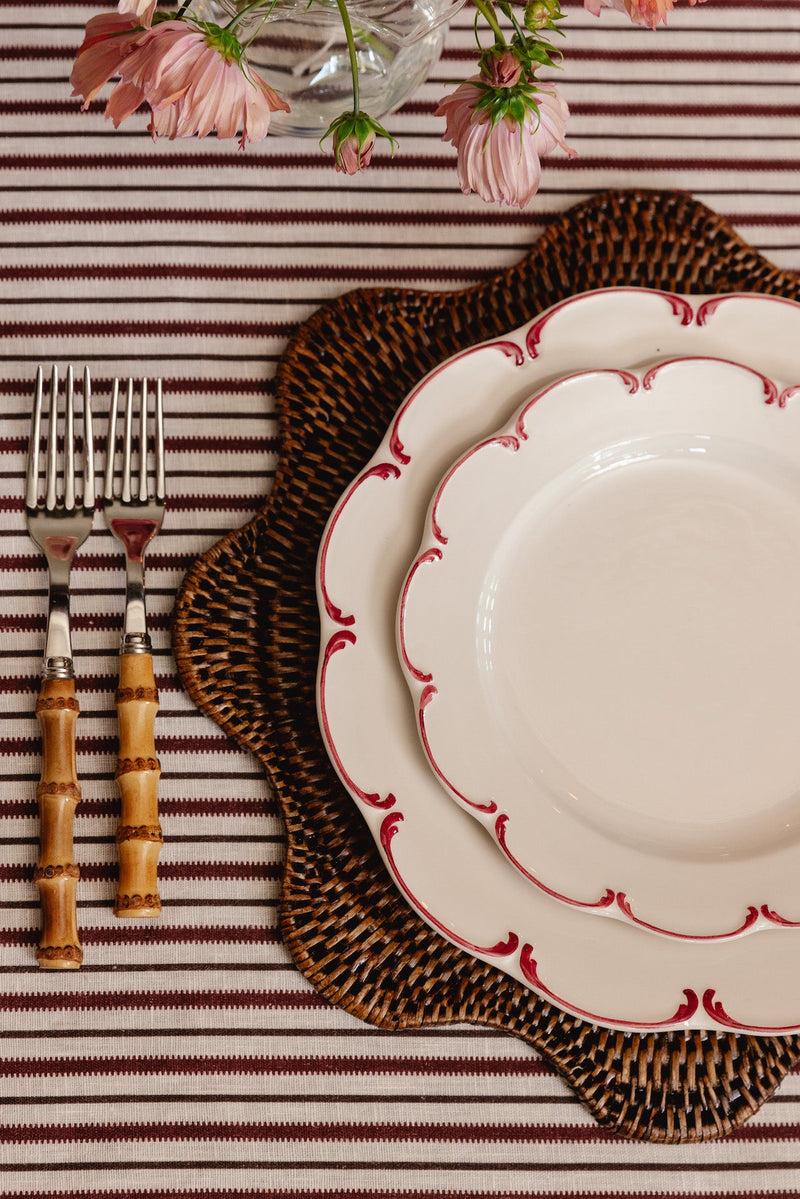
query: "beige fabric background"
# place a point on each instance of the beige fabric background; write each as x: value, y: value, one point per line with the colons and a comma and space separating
x: 188, y: 1057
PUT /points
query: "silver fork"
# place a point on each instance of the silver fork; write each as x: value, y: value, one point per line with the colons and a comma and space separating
x: 134, y: 516
x: 58, y: 524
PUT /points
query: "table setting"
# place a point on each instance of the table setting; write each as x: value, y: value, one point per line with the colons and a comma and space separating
x: 400, y: 707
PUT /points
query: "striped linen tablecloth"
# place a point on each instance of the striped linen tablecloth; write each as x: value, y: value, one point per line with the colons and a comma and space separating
x: 189, y: 1057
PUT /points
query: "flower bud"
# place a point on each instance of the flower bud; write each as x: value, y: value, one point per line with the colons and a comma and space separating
x: 539, y: 13
x: 500, y: 67
x: 354, y: 135
x: 352, y: 153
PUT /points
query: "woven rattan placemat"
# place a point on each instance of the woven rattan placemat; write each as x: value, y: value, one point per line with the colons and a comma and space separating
x: 246, y: 641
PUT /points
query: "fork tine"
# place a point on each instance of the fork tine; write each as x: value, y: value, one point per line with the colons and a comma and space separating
x: 52, y: 442
x: 111, y: 443
x: 69, y: 444
x: 160, y: 485
x: 143, y: 445
x: 88, y: 443
x: 32, y: 477
x: 126, y: 448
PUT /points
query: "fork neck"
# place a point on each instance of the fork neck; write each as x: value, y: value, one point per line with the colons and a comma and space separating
x: 134, y: 637
x: 58, y: 645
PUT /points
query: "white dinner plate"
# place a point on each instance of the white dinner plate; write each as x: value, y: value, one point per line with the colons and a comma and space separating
x: 442, y: 861
x: 601, y: 633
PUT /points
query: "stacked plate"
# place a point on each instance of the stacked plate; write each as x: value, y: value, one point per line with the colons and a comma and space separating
x: 560, y: 656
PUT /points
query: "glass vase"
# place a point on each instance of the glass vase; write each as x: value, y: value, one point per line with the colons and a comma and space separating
x: 299, y: 48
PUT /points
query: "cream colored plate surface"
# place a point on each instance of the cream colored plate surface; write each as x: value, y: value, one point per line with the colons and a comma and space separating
x: 601, y: 632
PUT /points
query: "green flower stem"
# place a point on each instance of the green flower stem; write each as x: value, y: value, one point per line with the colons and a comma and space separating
x: 509, y: 12
x: 351, y: 50
x: 486, y: 9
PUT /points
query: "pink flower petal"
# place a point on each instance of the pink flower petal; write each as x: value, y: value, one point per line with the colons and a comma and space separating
x: 124, y: 100
x: 109, y: 39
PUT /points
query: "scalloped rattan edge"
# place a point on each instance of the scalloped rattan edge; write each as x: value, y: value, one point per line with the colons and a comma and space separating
x: 246, y: 642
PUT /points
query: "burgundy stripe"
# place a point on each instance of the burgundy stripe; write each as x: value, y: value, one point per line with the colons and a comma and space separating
x: 657, y: 52
x: 20, y: 623
x: 660, y: 54
x: 315, y: 1132
x: 41, y: 108
x: 152, y: 328
x: 194, y: 1000
x: 377, y: 1192
x: 154, y: 935
x: 343, y: 1132
x: 38, y: 53
x: 36, y: 623
x: 172, y: 871
x: 178, y: 503
x: 283, y: 217
x: 218, y: 443
x: 396, y: 1191
x: 23, y: 53
x: 190, y: 387
x: 455, y: 220
x: 174, y: 445
x: 260, y: 808
x: 28, y: 684
x: 232, y: 273
x: 103, y: 683
x: 583, y: 108
x: 177, y: 745
x: 339, y: 1192
x: 394, y: 1165
x: 685, y: 110
x: 94, y: 561
x: 427, y: 108
x: 279, y: 161
x: 263, y: 1064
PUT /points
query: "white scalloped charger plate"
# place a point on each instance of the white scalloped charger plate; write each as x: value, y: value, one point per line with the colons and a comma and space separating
x: 442, y: 861
x: 601, y: 633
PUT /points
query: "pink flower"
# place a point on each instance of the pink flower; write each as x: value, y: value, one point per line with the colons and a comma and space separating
x: 641, y: 12
x: 195, y: 80
x: 108, y: 40
x: 501, y: 162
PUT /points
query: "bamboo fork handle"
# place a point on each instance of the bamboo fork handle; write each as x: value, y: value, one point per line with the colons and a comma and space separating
x: 58, y: 793
x: 139, y: 838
